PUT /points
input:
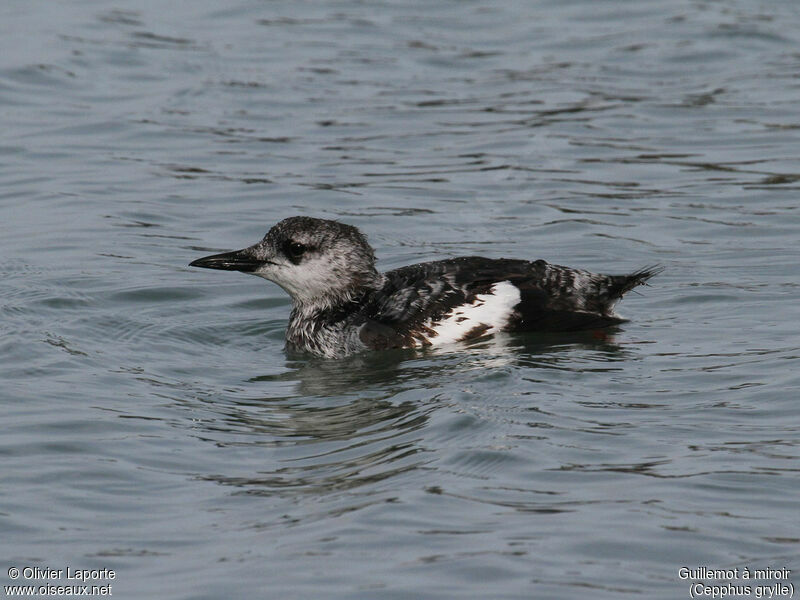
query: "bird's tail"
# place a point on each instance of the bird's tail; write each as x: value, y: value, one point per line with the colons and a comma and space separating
x: 618, y: 285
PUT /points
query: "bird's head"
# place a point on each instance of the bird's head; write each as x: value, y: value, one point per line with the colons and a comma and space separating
x: 317, y: 261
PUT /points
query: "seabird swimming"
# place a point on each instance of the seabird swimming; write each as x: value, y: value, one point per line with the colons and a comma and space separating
x: 341, y: 304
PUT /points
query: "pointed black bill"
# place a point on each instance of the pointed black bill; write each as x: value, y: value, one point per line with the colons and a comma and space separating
x: 238, y: 260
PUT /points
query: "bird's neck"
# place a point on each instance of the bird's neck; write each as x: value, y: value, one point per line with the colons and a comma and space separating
x: 337, y: 302
x: 320, y: 326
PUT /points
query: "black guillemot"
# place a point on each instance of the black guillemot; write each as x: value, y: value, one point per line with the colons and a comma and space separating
x: 342, y: 304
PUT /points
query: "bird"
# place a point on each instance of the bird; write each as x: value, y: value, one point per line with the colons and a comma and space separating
x: 342, y: 304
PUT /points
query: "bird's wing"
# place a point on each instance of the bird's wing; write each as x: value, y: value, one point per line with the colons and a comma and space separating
x: 552, y: 297
x: 417, y: 295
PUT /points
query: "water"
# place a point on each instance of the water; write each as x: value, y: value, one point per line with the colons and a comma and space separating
x: 151, y: 421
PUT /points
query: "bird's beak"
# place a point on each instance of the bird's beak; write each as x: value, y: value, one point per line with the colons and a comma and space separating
x: 238, y: 260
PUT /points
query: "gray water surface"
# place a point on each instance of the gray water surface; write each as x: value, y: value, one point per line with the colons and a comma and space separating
x: 150, y: 420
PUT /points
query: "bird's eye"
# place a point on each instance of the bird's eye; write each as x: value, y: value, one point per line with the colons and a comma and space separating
x: 295, y: 249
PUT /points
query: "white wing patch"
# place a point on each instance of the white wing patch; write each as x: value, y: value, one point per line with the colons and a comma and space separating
x: 489, y: 314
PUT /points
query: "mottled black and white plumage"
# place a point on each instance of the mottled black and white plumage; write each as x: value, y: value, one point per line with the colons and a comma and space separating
x: 343, y: 305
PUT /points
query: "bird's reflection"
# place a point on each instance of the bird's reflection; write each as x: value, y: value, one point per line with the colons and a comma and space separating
x: 357, y: 420
x: 395, y: 370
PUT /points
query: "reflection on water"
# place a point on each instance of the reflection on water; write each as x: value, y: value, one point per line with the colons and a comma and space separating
x: 334, y: 434
x: 337, y: 447
x: 397, y: 370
